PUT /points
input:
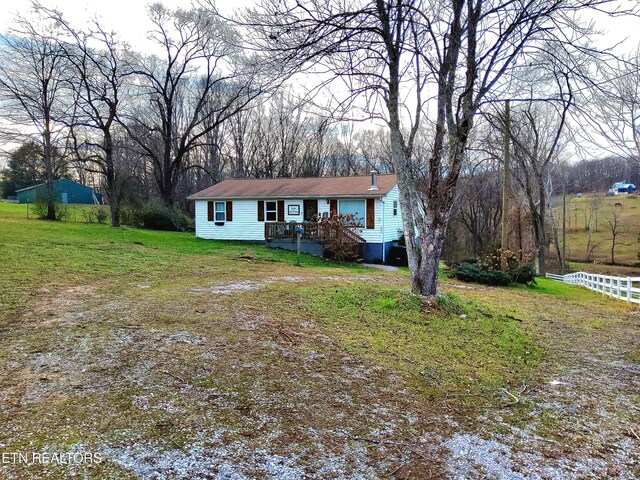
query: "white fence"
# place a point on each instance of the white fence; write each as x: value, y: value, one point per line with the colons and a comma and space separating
x: 621, y: 288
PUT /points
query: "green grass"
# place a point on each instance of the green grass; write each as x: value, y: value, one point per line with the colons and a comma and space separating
x: 264, y: 356
x: 38, y: 253
x: 455, y: 347
x: 553, y: 287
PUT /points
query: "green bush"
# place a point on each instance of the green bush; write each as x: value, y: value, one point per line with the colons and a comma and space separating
x: 473, y: 272
x: 519, y: 265
x: 524, y: 274
x: 88, y: 214
x: 63, y: 213
x: 182, y: 221
x: 102, y: 215
x: 40, y: 207
x: 130, y: 215
x: 155, y: 215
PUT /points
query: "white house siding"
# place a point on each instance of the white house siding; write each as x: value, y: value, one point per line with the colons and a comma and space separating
x: 392, y: 224
x: 373, y: 235
x: 293, y: 218
x: 245, y: 225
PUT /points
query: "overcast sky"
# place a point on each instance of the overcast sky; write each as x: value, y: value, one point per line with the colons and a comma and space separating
x: 128, y: 17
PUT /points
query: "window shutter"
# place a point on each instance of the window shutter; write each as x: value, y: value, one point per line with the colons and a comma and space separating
x: 371, y: 213
x: 229, y: 211
x: 333, y: 207
x: 210, y: 211
x: 261, y: 210
x: 281, y: 210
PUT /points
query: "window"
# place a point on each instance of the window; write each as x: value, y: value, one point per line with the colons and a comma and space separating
x: 271, y: 211
x: 221, y: 211
x: 310, y: 210
x: 395, y: 208
x: 356, y: 208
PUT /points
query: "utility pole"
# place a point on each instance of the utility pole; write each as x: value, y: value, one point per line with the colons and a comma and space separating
x: 504, y: 241
x: 563, y: 261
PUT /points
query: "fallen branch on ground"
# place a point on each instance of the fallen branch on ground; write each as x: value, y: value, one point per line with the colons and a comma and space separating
x: 177, y: 377
x: 285, y: 335
x: 516, y: 399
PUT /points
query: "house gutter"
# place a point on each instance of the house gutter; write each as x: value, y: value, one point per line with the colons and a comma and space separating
x: 288, y: 197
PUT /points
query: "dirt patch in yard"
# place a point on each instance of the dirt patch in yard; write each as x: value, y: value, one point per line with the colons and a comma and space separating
x: 58, y: 305
x: 209, y: 386
x: 580, y: 419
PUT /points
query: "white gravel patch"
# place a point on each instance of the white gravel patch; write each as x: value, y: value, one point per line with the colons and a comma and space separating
x: 211, y: 458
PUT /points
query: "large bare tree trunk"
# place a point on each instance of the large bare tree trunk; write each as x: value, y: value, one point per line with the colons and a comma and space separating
x: 539, y: 237
x: 432, y: 241
x: 48, y: 162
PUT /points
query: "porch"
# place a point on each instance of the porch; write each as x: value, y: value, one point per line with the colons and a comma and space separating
x: 312, y: 238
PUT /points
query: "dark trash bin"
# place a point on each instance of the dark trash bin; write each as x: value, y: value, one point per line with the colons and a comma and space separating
x: 398, y: 256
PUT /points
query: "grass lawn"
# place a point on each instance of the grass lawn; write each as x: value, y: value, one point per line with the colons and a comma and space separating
x: 175, y: 357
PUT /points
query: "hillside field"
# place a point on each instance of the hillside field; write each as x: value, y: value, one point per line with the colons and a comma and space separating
x: 578, y: 212
x: 176, y: 358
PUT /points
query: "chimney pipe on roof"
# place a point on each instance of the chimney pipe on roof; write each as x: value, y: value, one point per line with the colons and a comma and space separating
x: 374, y: 180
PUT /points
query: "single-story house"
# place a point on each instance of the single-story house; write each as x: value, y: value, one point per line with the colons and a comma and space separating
x: 243, y: 209
x: 66, y: 191
x: 623, y: 188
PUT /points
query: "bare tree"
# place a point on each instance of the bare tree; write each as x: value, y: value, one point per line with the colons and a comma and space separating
x: 597, y: 175
x: 202, y: 80
x: 374, y: 147
x: 33, y: 69
x: 478, y: 208
x: 595, y: 201
x: 387, y: 51
x: 536, y: 134
x: 616, y: 230
x: 614, y: 107
x: 97, y: 58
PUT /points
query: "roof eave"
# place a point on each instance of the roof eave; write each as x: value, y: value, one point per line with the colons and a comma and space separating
x: 377, y: 194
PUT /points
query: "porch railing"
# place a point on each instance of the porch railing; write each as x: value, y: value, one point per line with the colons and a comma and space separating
x: 310, y: 231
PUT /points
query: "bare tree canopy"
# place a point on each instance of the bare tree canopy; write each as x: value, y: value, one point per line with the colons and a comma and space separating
x: 400, y: 57
x: 203, y: 79
x: 98, y: 61
x: 33, y: 71
x: 614, y: 107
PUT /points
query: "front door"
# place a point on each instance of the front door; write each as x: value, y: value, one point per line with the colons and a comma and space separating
x: 310, y: 210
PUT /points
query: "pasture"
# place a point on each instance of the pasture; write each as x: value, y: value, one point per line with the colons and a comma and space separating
x: 602, y: 212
